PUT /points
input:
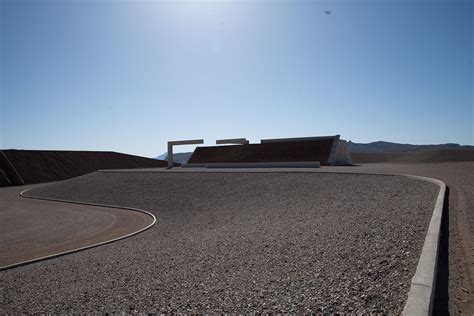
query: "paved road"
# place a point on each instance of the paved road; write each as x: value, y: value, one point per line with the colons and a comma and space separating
x: 33, y: 228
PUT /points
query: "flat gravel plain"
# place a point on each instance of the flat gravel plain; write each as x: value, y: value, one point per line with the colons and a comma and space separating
x: 237, y: 242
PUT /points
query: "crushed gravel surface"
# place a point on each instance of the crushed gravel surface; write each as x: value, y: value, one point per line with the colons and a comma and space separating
x: 238, y: 242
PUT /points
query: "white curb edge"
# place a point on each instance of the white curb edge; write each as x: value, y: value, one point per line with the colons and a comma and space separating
x: 23, y: 194
x: 421, y: 296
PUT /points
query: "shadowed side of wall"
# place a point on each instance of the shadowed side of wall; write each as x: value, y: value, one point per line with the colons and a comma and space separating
x: 271, y: 152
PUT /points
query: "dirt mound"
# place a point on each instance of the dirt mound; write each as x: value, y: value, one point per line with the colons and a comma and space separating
x: 19, y: 167
x: 318, y: 150
x: 437, y: 155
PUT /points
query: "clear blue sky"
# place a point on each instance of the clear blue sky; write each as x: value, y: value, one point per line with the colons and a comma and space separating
x: 129, y: 75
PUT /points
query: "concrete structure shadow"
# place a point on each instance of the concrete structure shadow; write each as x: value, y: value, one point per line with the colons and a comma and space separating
x: 441, y: 302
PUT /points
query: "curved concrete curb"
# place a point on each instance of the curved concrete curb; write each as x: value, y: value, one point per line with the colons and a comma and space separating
x: 422, y: 291
x: 23, y: 194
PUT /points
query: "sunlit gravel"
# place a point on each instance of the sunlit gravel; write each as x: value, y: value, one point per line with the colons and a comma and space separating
x: 238, y: 242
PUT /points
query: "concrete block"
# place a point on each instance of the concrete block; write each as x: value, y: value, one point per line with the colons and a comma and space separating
x: 241, y: 141
x: 302, y: 164
x: 341, y: 155
x: 180, y: 142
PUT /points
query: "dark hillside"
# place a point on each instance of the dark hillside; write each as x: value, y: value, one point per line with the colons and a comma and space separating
x: 433, y: 155
x: 388, y: 147
x: 35, y: 166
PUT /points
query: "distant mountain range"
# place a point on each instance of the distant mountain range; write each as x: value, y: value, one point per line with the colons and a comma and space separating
x: 177, y: 157
x: 379, y: 147
x: 387, y: 147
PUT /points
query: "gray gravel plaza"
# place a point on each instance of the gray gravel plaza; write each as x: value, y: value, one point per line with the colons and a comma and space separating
x: 238, y: 242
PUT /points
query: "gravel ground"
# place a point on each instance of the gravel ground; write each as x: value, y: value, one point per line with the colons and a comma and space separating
x: 458, y: 297
x: 245, y: 242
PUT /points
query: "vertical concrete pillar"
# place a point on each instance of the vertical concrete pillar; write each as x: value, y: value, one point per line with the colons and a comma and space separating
x: 170, y: 155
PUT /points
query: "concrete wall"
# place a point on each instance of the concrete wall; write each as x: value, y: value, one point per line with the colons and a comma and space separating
x: 341, y: 156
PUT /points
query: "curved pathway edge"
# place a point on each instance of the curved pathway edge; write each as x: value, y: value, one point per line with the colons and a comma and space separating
x: 421, y: 296
x: 25, y: 195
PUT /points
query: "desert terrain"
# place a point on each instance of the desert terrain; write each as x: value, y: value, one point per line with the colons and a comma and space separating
x: 228, y: 240
x: 238, y: 241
